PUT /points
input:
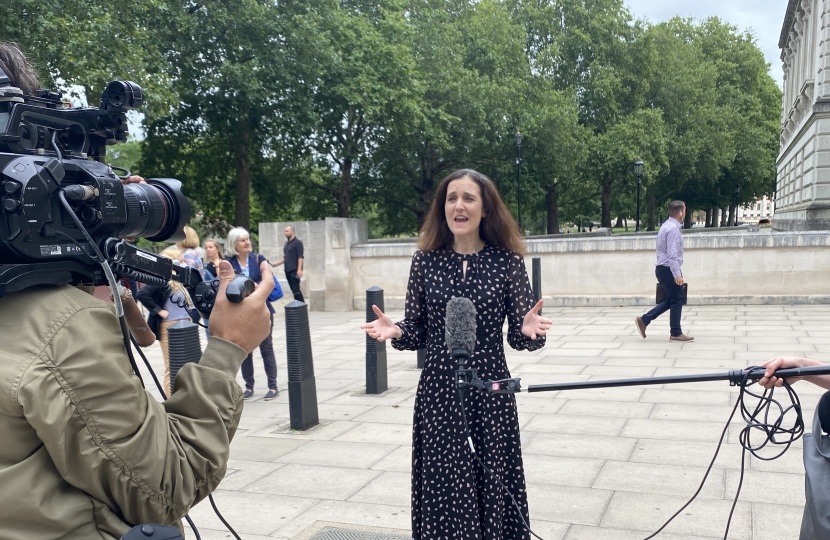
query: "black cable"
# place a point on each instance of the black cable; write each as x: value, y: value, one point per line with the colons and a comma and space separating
x: 221, y: 518
x: 483, y: 466
x: 770, y: 430
x: 193, y: 526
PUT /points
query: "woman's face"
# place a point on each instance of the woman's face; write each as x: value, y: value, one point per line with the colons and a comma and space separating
x: 464, y: 207
x: 211, y: 251
x: 243, y: 245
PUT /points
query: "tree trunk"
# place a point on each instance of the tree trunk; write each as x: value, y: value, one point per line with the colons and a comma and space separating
x: 723, y: 213
x: 625, y: 221
x: 687, y: 221
x: 425, y: 196
x: 345, y: 188
x: 552, y: 208
x: 730, y: 219
x: 606, y: 204
x: 241, y: 154
x: 708, y: 218
x: 619, y: 223
x: 651, y: 210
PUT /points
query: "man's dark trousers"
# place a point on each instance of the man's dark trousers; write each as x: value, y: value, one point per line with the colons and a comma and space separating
x: 294, y: 283
x: 673, y: 301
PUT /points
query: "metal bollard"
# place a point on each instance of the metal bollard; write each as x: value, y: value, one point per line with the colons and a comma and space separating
x: 183, y: 346
x: 302, y: 388
x: 422, y: 357
x: 537, y: 280
x: 375, y: 350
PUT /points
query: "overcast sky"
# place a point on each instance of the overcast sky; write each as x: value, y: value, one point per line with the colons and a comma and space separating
x: 763, y: 17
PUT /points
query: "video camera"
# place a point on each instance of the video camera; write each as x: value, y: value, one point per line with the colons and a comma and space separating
x: 63, y: 211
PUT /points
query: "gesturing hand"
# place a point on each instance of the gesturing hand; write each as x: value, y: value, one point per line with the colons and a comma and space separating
x: 383, y: 328
x: 534, y: 324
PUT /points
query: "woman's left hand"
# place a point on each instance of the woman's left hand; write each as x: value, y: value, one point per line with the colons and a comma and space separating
x: 535, y: 325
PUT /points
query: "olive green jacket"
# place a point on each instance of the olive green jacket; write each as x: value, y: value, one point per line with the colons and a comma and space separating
x: 85, y: 451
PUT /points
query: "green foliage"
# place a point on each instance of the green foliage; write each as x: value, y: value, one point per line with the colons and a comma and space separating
x: 302, y: 109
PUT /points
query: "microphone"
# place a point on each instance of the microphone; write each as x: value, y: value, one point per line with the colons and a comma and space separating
x: 460, y: 328
x: 460, y: 334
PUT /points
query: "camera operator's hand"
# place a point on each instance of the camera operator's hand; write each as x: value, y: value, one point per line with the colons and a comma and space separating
x: 247, y: 323
x: 134, y: 179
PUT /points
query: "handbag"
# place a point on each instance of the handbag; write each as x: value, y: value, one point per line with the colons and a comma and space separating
x: 815, y: 525
x: 661, y: 293
x: 276, y: 294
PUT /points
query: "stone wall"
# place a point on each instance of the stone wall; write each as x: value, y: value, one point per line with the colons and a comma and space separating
x: 327, y: 283
x: 727, y: 268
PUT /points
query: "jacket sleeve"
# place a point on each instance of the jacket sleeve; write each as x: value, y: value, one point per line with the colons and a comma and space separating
x: 414, y: 326
x: 149, y: 462
x: 519, y: 301
x: 146, y: 295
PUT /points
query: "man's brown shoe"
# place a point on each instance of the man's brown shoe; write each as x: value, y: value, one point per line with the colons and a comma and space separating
x: 681, y: 337
x: 641, y: 326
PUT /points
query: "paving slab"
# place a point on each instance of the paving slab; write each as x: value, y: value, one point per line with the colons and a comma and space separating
x: 604, y: 464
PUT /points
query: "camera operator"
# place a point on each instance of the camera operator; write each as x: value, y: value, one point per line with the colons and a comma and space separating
x: 86, y: 451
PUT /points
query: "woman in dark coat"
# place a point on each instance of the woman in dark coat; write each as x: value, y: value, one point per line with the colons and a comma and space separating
x: 469, y: 247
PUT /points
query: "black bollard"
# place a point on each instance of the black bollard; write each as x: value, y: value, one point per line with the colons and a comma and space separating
x: 183, y: 346
x: 537, y: 280
x: 375, y: 350
x: 422, y: 357
x: 302, y: 388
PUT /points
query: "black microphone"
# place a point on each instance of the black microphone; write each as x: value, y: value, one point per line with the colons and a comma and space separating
x: 460, y: 328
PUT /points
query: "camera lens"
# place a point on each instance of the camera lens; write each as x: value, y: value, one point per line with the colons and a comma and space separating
x: 156, y: 210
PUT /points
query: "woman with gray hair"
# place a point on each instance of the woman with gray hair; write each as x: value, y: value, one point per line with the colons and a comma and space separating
x: 244, y: 261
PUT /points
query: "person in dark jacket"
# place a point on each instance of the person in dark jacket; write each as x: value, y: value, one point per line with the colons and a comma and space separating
x: 167, y: 306
x: 244, y: 261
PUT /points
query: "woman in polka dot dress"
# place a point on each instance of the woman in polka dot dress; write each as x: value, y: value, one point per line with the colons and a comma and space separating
x: 471, y: 247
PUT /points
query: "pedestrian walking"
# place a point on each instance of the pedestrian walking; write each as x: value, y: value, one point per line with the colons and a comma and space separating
x: 244, y: 261
x: 669, y: 274
x: 293, y: 260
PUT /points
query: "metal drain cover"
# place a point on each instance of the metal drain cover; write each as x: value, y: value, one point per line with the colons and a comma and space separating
x: 337, y: 533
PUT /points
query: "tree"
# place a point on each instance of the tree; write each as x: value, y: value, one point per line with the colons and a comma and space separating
x: 227, y: 72
x: 363, y: 77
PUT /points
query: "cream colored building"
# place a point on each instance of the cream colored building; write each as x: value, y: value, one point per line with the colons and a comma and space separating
x: 803, y: 183
x: 756, y: 211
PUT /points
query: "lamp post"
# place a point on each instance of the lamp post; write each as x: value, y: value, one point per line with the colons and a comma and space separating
x: 638, y: 171
x: 519, y: 179
x: 737, y: 201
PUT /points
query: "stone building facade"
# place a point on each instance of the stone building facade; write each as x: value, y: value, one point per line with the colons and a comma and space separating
x: 803, y: 184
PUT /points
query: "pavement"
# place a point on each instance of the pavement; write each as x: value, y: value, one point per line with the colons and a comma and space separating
x: 609, y: 463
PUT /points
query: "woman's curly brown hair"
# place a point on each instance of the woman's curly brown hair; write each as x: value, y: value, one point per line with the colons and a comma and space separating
x: 20, y: 72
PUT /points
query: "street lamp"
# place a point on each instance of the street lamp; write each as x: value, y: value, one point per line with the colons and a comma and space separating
x: 519, y: 177
x: 638, y: 171
x: 737, y: 201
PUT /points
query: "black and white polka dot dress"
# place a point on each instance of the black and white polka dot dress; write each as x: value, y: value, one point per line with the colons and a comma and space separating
x: 452, y: 496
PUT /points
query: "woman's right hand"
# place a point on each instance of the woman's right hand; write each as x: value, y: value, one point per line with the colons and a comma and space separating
x: 383, y: 328
x: 163, y: 313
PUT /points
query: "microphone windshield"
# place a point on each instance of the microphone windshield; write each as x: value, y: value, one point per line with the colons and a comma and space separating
x: 460, y: 324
